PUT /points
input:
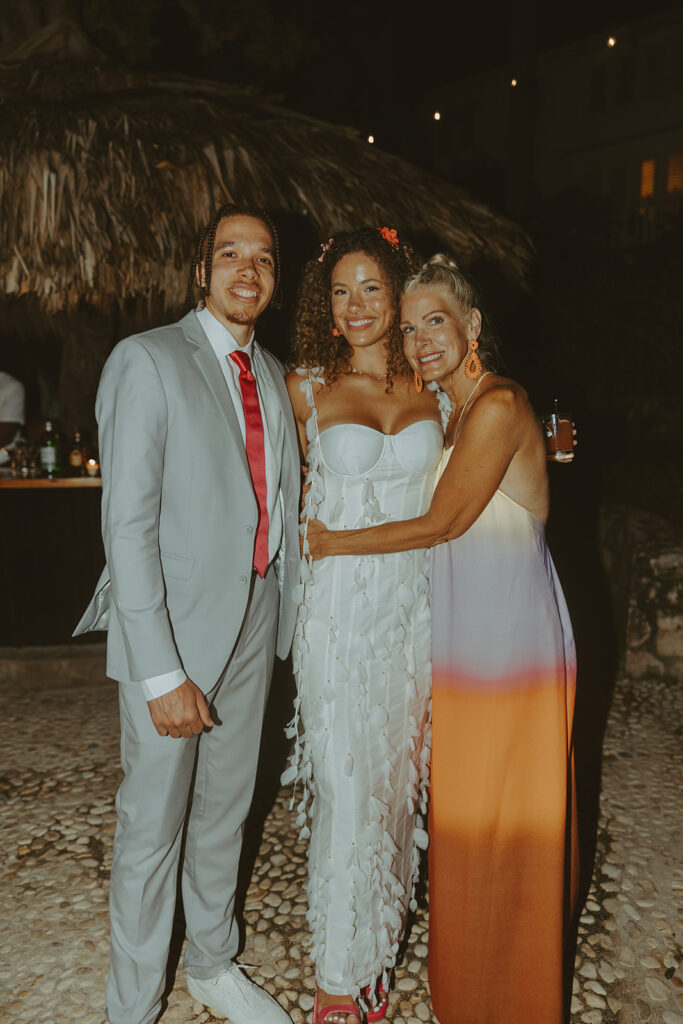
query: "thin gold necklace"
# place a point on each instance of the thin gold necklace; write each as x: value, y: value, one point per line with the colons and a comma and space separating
x: 469, y: 398
x: 367, y: 373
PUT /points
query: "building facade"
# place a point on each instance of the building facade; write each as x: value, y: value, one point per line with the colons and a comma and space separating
x: 603, y: 116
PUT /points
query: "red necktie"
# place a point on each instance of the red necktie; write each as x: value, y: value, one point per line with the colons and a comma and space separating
x: 256, y: 455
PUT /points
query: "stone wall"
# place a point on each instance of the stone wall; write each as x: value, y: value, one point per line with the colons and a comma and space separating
x: 643, y: 557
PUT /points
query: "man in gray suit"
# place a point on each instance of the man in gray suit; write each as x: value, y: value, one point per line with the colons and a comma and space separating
x: 200, y: 496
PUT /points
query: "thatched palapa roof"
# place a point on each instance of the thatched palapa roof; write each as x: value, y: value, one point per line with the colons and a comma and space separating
x: 106, y: 175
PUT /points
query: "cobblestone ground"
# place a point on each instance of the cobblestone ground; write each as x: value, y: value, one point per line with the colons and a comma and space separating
x: 59, y: 774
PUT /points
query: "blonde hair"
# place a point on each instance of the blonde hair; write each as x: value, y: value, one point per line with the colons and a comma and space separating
x: 441, y: 271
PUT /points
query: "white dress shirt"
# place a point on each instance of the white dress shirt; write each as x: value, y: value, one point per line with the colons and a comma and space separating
x: 223, y: 343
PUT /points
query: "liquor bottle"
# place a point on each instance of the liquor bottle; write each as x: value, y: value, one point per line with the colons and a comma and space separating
x: 49, y: 451
x: 76, y: 460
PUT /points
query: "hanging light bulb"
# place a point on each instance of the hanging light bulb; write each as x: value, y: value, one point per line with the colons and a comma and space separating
x: 437, y: 115
x: 371, y: 138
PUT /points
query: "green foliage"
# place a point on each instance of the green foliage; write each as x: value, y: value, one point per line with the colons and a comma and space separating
x: 263, y: 33
x: 125, y: 32
x: 225, y: 39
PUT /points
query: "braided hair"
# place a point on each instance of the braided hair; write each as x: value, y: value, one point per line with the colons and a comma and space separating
x: 203, y: 253
x: 313, y: 343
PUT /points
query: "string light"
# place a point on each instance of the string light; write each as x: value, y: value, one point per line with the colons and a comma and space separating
x: 513, y: 82
x: 371, y: 138
x: 437, y: 115
x: 611, y: 41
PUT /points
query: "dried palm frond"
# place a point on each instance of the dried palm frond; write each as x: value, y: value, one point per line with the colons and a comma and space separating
x: 106, y: 176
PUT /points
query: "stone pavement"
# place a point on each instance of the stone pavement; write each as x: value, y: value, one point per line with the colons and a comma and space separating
x: 59, y: 772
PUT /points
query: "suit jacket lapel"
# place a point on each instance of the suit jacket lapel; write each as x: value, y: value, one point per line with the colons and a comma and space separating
x: 267, y: 386
x: 208, y: 364
x: 290, y: 446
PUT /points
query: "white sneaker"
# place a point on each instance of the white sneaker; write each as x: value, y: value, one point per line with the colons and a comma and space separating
x: 231, y: 994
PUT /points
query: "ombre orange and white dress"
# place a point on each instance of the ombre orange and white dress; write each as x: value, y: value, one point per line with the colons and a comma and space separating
x: 502, y: 854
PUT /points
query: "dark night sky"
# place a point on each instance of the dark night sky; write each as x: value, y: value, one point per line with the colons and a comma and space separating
x: 368, y: 66
x: 364, y: 63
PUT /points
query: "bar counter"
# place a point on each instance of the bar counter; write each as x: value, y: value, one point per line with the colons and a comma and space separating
x: 24, y: 483
x: 51, y: 556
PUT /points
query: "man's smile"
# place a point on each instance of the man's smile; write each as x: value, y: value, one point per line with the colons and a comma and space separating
x: 244, y: 293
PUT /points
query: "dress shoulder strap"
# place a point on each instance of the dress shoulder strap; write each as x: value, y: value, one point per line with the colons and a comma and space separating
x: 310, y: 375
x: 445, y: 407
x: 314, y: 489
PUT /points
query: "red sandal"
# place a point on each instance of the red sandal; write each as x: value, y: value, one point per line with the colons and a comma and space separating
x: 378, y: 1012
x: 338, y: 1008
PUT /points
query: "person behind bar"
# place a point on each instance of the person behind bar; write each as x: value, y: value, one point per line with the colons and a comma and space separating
x: 12, y: 413
x: 200, y: 491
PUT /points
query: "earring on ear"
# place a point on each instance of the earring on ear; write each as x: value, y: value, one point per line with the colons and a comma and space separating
x: 419, y: 383
x: 472, y: 367
x: 337, y: 332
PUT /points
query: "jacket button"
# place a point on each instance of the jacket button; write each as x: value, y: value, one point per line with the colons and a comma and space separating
x: 243, y: 579
x: 248, y: 529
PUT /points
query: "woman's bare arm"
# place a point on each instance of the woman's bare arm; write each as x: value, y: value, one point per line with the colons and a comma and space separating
x: 490, y: 438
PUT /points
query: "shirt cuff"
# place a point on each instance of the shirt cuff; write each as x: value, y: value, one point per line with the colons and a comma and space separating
x: 157, y: 686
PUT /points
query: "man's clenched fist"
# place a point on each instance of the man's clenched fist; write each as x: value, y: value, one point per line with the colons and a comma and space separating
x: 180, y: 712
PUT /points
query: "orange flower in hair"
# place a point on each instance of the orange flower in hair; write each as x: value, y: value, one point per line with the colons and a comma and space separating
x: 390, y: 235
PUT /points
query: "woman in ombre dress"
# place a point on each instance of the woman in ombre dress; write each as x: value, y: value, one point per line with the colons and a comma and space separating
x: 503, y: 851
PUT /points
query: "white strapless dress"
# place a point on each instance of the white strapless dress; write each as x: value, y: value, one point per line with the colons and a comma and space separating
x: 361, y: 658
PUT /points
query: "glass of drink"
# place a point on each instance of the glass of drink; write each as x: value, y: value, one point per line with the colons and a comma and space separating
x: 33, y: 459
x: 559, y: 434
x: 21, y: 461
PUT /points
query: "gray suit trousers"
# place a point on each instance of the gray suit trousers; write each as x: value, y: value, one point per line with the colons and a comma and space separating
x: 155, y: 800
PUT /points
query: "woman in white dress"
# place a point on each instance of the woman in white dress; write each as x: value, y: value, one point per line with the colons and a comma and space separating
x: 372, y: 443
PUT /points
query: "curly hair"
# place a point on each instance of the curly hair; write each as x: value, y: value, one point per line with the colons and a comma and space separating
x: 313, y: 343
x: 443, y: 272
x: 203, y: 251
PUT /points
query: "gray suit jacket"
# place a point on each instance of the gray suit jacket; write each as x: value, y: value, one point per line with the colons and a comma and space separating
x: 179, y: 514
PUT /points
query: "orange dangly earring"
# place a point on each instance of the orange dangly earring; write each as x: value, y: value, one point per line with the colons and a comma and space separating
x: 419, y: 383
x: 472, y: 366
x: 337, y: 332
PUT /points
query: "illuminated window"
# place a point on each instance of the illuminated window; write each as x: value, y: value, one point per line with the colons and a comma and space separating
x: 674, y: 173
x: 647, y: 179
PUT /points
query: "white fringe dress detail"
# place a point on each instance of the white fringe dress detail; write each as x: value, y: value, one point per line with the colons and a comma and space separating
x: 361, y: 657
